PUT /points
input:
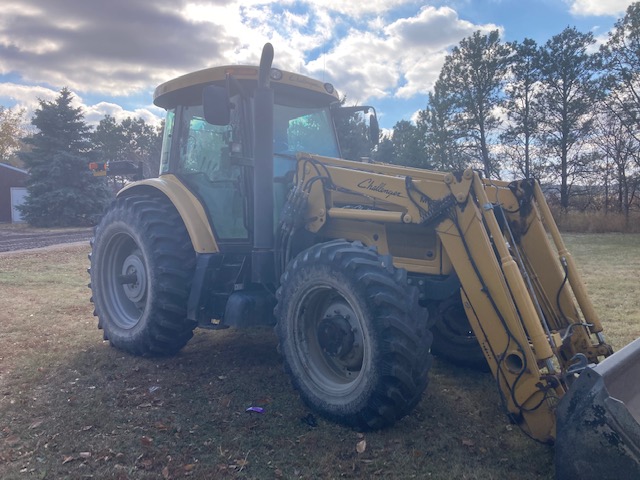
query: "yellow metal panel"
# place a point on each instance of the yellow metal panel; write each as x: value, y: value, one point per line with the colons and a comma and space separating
x: 369, y: 233
x: 240, y: 72
x: 188, y: 206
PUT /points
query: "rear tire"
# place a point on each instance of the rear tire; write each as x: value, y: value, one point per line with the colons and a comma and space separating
x: 142, y: 265
x: 353, y: 337
x: 453, y: 338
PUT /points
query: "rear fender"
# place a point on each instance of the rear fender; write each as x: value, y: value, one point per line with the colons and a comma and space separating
x: 188, y: 206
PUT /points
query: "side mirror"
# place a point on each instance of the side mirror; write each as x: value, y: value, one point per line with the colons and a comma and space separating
x: 368, y: 113
x: 216, y: 105
x: 374, y: 129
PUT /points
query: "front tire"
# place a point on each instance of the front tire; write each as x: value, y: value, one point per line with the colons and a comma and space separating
x: 142, y: 264
x: 453, y: 338
x: 352, y: 335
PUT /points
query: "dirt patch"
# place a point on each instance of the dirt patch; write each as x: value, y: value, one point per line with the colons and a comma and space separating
x: 22, y: 237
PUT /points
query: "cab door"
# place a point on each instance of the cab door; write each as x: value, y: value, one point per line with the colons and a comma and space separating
x: 205, y: 164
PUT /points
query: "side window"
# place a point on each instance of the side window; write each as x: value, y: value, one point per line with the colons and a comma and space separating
x: 166, y: 141
x: 205, y: 166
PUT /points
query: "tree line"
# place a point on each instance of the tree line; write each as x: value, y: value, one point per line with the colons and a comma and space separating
x: 565, y: 112
x: 61, y: 189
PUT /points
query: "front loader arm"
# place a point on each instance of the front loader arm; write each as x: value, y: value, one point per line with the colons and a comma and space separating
x: 522, y: 294
x: 502, y: 314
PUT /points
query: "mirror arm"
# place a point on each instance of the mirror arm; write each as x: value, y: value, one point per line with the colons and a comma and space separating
x: 230, y: 78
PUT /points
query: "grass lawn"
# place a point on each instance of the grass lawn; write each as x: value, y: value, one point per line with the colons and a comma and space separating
x: 73, y: 407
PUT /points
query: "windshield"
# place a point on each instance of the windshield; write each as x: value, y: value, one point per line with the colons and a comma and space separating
x: 308, y: 130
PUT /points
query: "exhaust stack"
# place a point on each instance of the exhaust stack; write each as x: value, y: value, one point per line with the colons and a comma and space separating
x: 262, y: 257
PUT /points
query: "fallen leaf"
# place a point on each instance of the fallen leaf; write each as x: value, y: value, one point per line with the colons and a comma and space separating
x: 85, y: 454
x: 36, y: 424
x: 188, y: 467
x: 165, y: 473
x: 67, y: 459
x: 87, y: 428
x: 361, y: 446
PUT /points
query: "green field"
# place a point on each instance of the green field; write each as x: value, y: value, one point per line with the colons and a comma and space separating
x: 73, y: 407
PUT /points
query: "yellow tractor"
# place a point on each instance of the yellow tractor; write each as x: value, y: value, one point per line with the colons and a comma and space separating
x: 364, y: 268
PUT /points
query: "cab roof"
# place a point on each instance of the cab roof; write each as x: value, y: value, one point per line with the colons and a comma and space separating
x: 187, y: 89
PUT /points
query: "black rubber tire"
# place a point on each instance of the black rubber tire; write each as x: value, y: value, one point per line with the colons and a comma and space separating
x: 374, y: 370
x: 453, y: 338
x: 145, y: 238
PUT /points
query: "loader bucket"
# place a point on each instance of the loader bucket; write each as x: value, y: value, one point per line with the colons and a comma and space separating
x: 598, y: 429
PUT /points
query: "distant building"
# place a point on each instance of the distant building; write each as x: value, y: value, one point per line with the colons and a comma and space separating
x: 12, y: 192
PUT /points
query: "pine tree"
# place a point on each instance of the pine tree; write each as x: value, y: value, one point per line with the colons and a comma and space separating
x: 109, y: 141
x: 567, y: 104
x: 144, y: 144
x: 61, y: 190
x: 620, y: 62
x: 473, y: 75
x: 522, y: 132
x: 408, y: 145
x: 441, y: 136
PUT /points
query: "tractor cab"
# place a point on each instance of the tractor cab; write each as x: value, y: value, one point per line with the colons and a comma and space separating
x: 209, y: 138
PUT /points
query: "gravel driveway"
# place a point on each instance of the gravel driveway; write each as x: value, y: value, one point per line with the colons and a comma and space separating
x: 21, y: 237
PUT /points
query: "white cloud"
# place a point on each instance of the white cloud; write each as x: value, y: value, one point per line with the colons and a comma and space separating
x: 355, y: 8
x: 599, y: 7
x: 94, y: 113
x: 400, y: 59
x: 25, y: 97
x: 28, y: 98
x: 433, y: 28
x: 123, y: 49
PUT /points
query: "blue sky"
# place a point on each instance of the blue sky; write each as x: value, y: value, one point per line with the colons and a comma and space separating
x: 386, y: 53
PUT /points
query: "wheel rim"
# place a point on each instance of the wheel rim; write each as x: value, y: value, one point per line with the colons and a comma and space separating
x: 329, y: 341
x: 125, y: 281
